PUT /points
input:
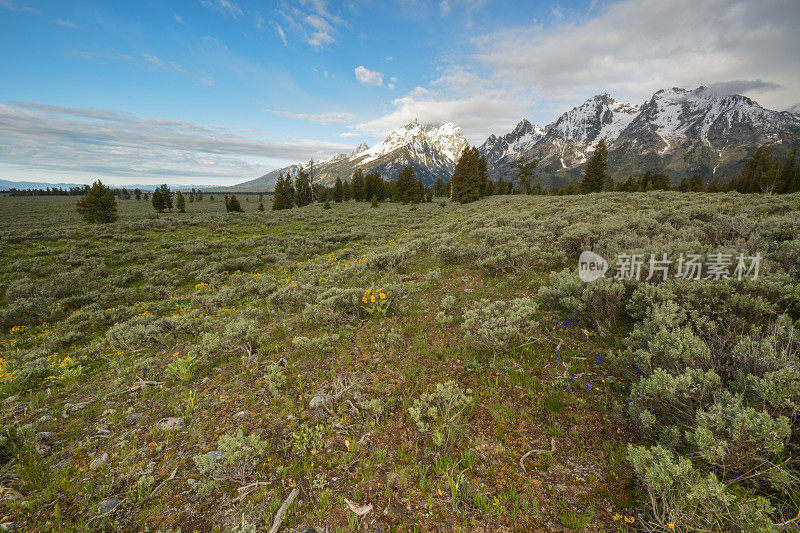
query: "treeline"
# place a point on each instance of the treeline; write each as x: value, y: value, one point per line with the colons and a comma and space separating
x: 302, y: 190
x: 55, y: 191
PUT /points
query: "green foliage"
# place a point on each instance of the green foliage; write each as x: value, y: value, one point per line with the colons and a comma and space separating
x: 497, y: 326
x: 470, y: 177
x: 98, y: 205
x: 238, y: 458
x: 283, y: 197
x: 683, y: 498
x: 180, y: 202
x: 182, y: 368
x: 442, y: 412
x: 406, y: 187
x: 274, y: 379
x: 232, y: 205
x: 302, y: 186
x: 526, y: 173
x: 596, y: 178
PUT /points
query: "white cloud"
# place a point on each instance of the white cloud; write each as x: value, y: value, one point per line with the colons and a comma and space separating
x: 68, y: 24
x: 281, y: 33
x: 226, y: 7
x: 311, y: 20
x: 391, y: 86
x: 368, y: 77
x: 634, y: 47
x: 322, y: 118
x: 37, y: 138
x: 178, y: 18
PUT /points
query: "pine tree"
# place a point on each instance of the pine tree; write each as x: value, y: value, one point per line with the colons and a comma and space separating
x: 166, y: 194
x: 233, y: 205
x: 261, y: 202
x: 406, y: 186
x: 758, y: 174
x: 338, y: 191
x: 595, y: 175
x: 526, y: 173
x: 303, y: 193
x: 137, y: 192
x: 347, y: 191
x: 98, y: 205
x: 158, y: 201
x: 180, y: 203
x: 787, y: 177
x: 469, y: 179
x: 374, y: 201
x: 358, y: 185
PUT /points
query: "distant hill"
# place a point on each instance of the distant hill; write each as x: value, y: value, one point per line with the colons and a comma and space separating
x: 6, y: 185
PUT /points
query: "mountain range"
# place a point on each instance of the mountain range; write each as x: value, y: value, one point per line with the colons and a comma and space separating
x: 677, y: 131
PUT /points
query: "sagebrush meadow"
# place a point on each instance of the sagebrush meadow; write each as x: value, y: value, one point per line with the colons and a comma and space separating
x: 428, y: 367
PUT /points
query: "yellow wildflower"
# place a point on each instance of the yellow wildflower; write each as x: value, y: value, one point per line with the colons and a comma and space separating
x: 383, y: 296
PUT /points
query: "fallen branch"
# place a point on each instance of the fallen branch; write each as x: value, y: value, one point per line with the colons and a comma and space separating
x: 247, y: 489
x: 535, y: 451
x: 276, y: 523
x: 161, y: 485
x: 142, y: 384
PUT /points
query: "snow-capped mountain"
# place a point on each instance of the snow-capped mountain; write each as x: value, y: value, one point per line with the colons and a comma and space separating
x: 432, y: 151
x: 506, y: 150
x: 677, y: 131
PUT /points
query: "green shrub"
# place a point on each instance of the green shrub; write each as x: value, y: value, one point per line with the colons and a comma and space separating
x: 497, y: 326
x: 442, y: 412
x: 682, y: 498
x: 238, y: 457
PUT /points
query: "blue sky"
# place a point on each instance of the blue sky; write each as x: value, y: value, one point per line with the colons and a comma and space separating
x: 221, y: 91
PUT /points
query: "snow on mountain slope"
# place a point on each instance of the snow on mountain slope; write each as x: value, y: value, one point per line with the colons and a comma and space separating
x: 446, y: 139
x: 511, y: 145
x: 600, y: 117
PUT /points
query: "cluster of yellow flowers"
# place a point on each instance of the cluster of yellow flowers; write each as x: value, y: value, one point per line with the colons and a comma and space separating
x: 627, y: 519
x: 18, y: 328
x: 372, y: 295
x: 5, y: 373
x: 202, y: 287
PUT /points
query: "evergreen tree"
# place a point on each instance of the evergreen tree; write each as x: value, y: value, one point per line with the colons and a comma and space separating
x: 758, y: 174
x: 406, y: 187
x: 469, y: 180
x: 439, y: 187
x: 98, y: 205
x: 233, y: 205
x: 200, y: 196
x: 374, y: 201
x: 526, y: 173
x: 787, y: 180
x: 303, y: 194
x: 338, y: 191
x: 347, y: 191
x: 137, y: 193
x: 374, y: 186
x: 358, y: 185
x: 180, y: 203
x: 595, y: 176
x: 158, y: 201
x: 166, y: 194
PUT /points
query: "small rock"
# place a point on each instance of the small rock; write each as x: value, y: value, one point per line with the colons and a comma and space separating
x: 98, y: 462
x: 43, y: 449
x: 7, y: 526
x: 108, y: 505
x: 393, y: 480
x: 109, y: 412
x: 133, y: 418
x: 172, y: 424
x: 191, y: 482
x: 43, y: 419
x: 70, y: 409
x: 7, y: 493
x: 317, y: 402
x: 242, y: 414
x: 46, y: 436
x: 214, y: 455
x: 11, y: 399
